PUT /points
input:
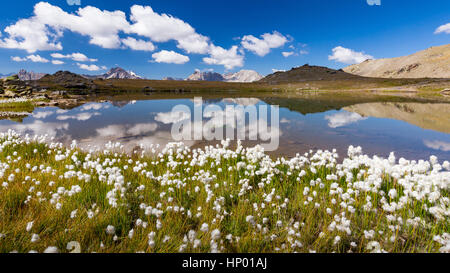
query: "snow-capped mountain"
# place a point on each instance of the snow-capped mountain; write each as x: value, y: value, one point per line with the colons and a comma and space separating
x: 241, y: 76
x: 120, y: 73
x: 115, y: 73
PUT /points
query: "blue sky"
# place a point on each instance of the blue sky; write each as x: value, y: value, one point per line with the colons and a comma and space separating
x: 223, y: 36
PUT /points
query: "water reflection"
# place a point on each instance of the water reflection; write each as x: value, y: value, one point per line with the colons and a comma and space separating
x: 412, y: 130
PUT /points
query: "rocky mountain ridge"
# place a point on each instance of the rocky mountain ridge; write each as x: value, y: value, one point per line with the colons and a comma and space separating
x: 241, y: 76
x: 433, y: 62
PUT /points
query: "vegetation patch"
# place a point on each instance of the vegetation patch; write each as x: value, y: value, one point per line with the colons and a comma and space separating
x: 57, y: 199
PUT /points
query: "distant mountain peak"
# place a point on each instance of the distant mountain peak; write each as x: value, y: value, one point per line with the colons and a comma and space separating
x: 205, y: 76
x: 308, y: 73
x: 241, y: 76
x: 120, y: 73
x: 29, y: 75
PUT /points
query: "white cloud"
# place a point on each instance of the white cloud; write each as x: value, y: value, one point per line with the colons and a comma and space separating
x: 170, y: 57
x: 30, y: 35
x: 94, y: 106
x: 262, y: 47
x: 438, y: 145
x: 47, y: 25
x: 343, y: 119
x: 101, y: 26
x: 37, y: 59
x: 80, y: 117
x: 91, y: 67
x: 228, y: 58
x: 57, y: 62
x: 42, y: 114
x: 18, y: 59
x: 172, y: 117
x: 78, y: 57
x: 143, y: 128
x: 142, y: 45
x: 194, y: 43
x: 33, y: 58
x: 287, y: 54
x: 443, y: 29
x: 348, y: 56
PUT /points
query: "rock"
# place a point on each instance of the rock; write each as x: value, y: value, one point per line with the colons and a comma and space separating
x: 59, y: 93
x: 25, y: 93
x: 10, y: 94
x: 148, y: 89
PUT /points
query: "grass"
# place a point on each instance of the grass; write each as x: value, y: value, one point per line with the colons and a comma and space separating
x: 249, y: 202
x: 25, y: 106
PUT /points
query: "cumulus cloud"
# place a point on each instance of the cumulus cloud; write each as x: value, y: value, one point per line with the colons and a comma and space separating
x: 443, y: 29
x: 80, y: 117
x: 287, y: 54
x: 343, y: 119
x: 262, y: 47
x: 438, y: 145
x: 30, y: 35
x: 57, y: 62
x: 348, y: 56
x: 18, y: 59
x: 102, y: 27
x: 172, y: 117
x: 78, y: 57
x: 43, y: 30
x: 135, y: 44
x: 165, y: 27
x: 229, y: 58
x: 33, y: 58
x: 170, y: 57
x: 91, y: 67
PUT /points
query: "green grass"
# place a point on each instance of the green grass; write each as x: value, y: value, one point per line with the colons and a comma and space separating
x: 225, y: 189
x: 26, y: 106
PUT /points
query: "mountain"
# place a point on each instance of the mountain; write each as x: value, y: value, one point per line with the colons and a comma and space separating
x: 65, y: 79
x: 433, y: 62
x: 172, y: 79
x: 308, y: 73
x: 6, y: 75
x: 30, y: 76
x: 432, y: 116
x: 115, y: 73
x: 243, y: 76
x: 120, y: 73
x: 206, y: 76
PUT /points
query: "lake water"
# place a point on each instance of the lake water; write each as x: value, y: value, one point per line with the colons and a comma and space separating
x: 411, y: 130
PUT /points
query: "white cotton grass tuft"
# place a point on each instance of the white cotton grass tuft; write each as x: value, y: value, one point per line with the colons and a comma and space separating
x: 218, y: 199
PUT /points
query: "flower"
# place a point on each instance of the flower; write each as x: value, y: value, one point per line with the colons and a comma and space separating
x: 110, y: 230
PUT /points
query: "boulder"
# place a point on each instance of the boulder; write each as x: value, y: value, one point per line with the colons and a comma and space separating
x: 10, y: 94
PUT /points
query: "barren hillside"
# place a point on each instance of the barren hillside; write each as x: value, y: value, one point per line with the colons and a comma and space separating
x: 433, y: 62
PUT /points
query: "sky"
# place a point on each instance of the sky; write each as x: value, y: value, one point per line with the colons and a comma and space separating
x: 173, y: 38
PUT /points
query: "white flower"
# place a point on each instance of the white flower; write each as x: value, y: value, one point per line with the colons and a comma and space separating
x: 215, y: 234
x: 204, y: 227
x: 29, y: 226
x: 35, y: 238
x: 110, y: 230
x: 51, y: 249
